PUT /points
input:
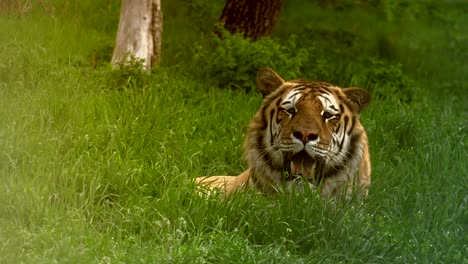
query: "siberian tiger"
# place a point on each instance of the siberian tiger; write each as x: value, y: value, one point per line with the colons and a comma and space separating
x: 305, y: 133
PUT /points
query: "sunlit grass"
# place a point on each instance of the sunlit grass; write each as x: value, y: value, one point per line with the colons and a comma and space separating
x: 96, y: 166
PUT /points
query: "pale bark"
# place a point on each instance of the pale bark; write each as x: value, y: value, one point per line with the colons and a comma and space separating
x: 139, y: 33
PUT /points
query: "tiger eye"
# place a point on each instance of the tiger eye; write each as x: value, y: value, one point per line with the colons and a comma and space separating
x: 327, y: 115
x: 291, y: 111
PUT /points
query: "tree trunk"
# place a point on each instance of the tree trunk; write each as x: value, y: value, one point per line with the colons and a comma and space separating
x: 139, y: 33
x: 252, y: 18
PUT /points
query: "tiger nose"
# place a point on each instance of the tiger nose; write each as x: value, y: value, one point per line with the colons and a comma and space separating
x: 305, y: 135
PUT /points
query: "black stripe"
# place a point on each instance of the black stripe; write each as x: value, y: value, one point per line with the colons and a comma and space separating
x: 287, y: 170
x: 278, y: 102
x: 354, y: 145
x: 319, y: 172
x: 267, y: 100
x: 260, y: 144
x: 272, y: 115
x: 353, y: 122
x: 294, y: 94
x: 323, y: 90
x: 337, y: 129
x: 264, y: 121
x: 265, y: 155
x: 253, y: 177
x: 346, y: 119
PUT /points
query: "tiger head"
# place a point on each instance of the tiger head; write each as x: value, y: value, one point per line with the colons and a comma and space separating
x: 304, y: 129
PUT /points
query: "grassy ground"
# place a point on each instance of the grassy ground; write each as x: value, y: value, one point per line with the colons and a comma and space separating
x: 95, y: 164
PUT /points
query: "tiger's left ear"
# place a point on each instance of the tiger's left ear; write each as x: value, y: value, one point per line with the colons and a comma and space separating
x: 268, y: 81
x: 360, y: 98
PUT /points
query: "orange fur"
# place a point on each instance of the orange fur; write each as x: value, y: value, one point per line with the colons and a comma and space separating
x: 304, y: 130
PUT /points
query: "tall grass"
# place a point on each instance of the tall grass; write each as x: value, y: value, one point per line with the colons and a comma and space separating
x: 96, y: 164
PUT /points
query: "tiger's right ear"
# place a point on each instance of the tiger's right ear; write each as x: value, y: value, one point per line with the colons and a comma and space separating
x: 268, y: 81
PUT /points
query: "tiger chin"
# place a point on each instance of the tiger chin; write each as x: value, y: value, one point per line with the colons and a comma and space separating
x: 306, y: 133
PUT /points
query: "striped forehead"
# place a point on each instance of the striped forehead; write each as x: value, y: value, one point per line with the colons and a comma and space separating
x: 292, y: 97
x: 329, y: 102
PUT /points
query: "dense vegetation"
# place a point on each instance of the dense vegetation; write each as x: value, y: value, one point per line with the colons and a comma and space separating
x: 95, y: 164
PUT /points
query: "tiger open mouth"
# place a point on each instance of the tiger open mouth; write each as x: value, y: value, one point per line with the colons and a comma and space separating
x: 303, y: 165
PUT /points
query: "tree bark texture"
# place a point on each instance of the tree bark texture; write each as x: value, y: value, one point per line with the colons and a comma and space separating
x: 139, y: 33
x: 252, y: 18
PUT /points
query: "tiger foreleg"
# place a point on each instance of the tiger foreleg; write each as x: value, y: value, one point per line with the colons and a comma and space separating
x: 226, y: 184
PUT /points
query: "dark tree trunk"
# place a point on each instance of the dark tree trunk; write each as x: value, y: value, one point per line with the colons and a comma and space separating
x: 252, y: 18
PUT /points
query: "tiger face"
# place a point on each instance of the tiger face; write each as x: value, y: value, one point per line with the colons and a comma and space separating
x: 308, y: 130
x: 311, y: 126
x: 305, y: 132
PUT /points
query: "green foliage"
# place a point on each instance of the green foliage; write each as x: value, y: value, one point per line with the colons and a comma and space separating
x: 400, y: 9
x: 234, y: 60
x: 129, y: 74
x: 389, y: 81
x: 199, y: 10
x: 393, y: 10
x: 96, y: 164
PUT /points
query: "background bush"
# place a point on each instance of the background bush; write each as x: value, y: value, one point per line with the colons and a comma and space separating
x: 234, y: 60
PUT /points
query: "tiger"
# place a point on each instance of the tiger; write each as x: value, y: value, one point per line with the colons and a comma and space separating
x: 306, y: 133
